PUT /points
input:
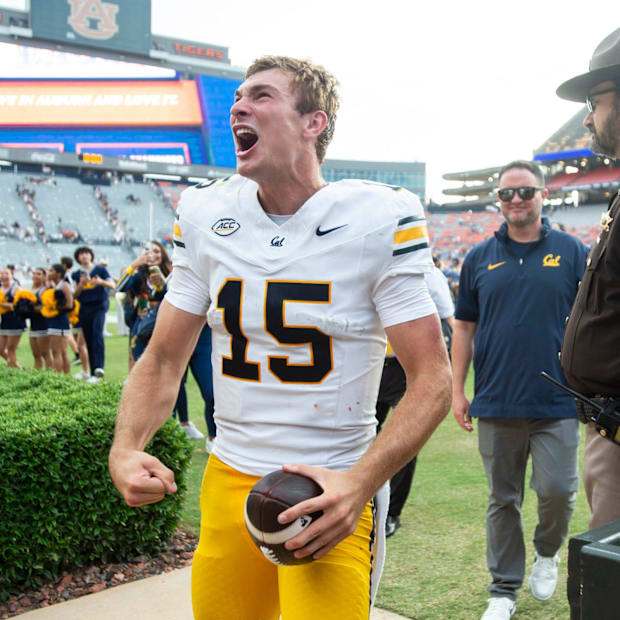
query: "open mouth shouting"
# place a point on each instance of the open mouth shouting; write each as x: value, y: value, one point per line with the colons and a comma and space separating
x: 245, y: 139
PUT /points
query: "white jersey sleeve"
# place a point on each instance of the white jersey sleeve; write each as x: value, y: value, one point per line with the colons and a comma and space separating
x: 400, y: 293
x: 403, y: 298
x: 187, y: 290
x: 440, y: 292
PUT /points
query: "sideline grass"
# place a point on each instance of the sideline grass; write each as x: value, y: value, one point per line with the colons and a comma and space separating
x: 435, y: 567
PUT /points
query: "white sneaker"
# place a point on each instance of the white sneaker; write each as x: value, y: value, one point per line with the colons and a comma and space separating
x: 81, y: 376
x: 99, y: 373
x: 544, y: 577
x: 191, y: 431
x: 93, y: 380
x: 500, y: 608
x: 209, y: 445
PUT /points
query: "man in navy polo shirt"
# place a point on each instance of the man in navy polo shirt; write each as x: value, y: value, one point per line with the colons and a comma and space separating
x: 515, y: 291
x: 92, y: 285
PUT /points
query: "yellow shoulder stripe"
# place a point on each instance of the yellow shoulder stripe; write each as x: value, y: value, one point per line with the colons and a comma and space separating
x: 416, y: 232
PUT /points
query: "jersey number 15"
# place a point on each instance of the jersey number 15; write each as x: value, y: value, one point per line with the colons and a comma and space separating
x: 277, y: 293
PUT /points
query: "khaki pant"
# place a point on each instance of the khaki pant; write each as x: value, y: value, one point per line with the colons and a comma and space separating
x: 601, y: 478
x: 505, y: 446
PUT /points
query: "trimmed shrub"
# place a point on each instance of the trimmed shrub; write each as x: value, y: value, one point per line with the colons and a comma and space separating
x: 58, y: 506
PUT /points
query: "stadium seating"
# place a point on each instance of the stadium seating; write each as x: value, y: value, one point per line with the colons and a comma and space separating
x: 65, y: 204
x: 12, y: 208
x: 453, y: 234
x: 600, y: 175
x: 562, y: 180
x: 134, y: 200
x: 112, y: 219
x: 171, y: 193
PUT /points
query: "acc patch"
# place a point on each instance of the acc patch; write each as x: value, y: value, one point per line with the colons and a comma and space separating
x: 225, y: 226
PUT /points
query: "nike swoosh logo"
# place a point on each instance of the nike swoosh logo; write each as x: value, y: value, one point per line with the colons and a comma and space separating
x: 491, y: 267
x: 320, y: 232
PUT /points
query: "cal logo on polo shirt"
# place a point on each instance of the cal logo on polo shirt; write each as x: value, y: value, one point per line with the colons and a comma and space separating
x: 411, y: 235
x: 549, y: 260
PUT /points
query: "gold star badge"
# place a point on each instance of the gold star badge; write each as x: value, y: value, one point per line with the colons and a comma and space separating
x: 606, y: 220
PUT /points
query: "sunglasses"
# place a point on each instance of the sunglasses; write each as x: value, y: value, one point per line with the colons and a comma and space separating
x: 592, y: 106
x: 506, y: 194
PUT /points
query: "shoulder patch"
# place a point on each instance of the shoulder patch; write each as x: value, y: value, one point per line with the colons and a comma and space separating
x: 411, y: 235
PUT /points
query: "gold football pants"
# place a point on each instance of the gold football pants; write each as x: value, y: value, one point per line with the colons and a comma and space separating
x: 232, y: 580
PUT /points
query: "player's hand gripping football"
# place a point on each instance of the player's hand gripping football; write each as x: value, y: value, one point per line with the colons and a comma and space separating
x: 139, y: 477
x: 460, y: 408
x: 342, y: 502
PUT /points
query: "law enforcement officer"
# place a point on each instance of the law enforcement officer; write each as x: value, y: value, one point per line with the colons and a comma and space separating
x: 590, y: 357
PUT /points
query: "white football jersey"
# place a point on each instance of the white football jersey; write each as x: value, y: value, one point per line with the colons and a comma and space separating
x: 298, y: 313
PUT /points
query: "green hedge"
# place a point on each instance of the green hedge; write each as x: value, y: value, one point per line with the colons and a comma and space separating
x: 58, y: 506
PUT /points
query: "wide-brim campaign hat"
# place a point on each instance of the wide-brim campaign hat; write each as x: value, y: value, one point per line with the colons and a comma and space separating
x: 604, y: 65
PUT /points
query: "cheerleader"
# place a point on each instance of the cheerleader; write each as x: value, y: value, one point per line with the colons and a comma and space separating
x: 12, y: 326
x: 39, y: 338
x: 57, y: 302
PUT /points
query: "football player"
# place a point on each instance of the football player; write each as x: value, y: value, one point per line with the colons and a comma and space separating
x: 300, y: 281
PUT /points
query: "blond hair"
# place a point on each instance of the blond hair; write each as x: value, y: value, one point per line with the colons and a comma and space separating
x: 316, y: 88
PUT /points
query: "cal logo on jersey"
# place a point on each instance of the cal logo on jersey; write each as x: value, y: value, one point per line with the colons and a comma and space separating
x: 225, y: 226
x: 411, y: 235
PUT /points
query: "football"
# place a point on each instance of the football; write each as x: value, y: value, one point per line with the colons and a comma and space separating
x: 270, y: 496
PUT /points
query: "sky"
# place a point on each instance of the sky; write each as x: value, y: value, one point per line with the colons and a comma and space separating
x: 459, y: 85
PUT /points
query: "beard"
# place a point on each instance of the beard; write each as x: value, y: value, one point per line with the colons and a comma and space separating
x: 607, y: 140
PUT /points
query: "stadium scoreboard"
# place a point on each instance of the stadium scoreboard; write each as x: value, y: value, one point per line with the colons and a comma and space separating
x: 173, y: 111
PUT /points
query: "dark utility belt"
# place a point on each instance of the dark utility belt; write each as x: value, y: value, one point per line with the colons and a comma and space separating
x: 586, y: 412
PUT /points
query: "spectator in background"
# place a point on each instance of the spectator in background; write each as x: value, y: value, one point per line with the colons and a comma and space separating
x: 12, y: 326
x: 592, y: 340
x: 58, y: 326
x: 92, y: 284
x: 76, y: 337
x: 11, y: 267
x: 200, y: 365
x: 39, y: 336
x: 143, y: 283
x: 394, y: 384
x: 515, y: 291
x: 451, y: 270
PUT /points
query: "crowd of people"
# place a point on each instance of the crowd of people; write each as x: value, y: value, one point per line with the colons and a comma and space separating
x: 28, y: 196
x: 61, y: 309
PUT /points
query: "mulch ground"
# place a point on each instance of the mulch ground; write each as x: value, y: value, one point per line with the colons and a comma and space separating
x: 88, y: 580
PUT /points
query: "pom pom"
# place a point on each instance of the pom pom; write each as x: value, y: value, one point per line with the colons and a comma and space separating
x: 74, y: 315
x: 49, y: 308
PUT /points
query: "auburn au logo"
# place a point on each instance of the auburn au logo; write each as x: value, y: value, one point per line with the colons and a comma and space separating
x: 93, y: 19
x: 551, y: 261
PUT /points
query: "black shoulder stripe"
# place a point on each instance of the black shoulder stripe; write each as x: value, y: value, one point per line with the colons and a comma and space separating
x: 411, y: 248
x: 176, y: 215
x: 411, y: 218
x: 181, y: 244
